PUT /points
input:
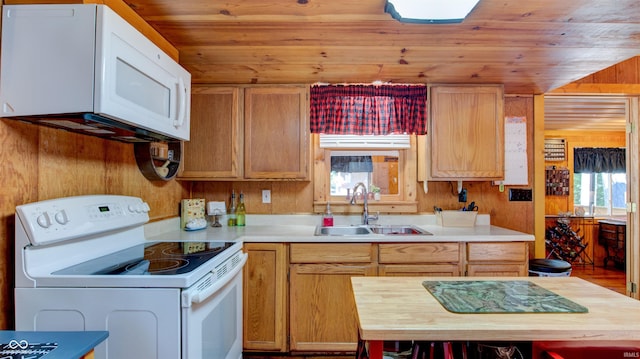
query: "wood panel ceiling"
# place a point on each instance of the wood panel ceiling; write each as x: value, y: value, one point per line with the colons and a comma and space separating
x: 530, y: 46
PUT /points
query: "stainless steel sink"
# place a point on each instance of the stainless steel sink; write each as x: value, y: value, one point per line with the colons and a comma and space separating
x: 370, y: 230
x: 398, y: 230
x: 342, y: 231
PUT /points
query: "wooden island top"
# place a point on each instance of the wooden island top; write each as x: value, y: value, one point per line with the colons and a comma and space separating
x: 400, y: 308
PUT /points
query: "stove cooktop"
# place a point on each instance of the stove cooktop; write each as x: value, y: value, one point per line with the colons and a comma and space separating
x: 157, y: 258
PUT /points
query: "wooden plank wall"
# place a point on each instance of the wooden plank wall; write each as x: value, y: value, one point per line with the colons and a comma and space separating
x: 297, y: 197
x: 626, y: 72
x: 41, y: 163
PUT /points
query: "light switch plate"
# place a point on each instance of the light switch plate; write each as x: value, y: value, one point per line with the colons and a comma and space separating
x: 266, y: 196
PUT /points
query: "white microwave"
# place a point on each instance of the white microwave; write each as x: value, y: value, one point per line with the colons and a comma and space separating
x: 83, y: 68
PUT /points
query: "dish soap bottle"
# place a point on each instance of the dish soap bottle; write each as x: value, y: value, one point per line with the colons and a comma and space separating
x: 327, y: 218
x: 241, y: 212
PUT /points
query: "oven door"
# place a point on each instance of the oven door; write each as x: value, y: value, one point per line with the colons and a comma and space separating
x: 212, y: 316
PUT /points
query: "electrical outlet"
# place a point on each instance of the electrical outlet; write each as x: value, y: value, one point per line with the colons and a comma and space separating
x: 266, y: 196
x: 462, y: 196
x: 521, y: 194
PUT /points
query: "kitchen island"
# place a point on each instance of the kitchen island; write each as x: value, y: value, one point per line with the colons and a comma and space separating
x: 401, y: 308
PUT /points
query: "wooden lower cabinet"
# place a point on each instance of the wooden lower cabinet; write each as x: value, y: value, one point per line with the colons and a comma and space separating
x: 322, y: 310
x: 497, y: 259
x: 315, y: 309
x: 420, y: 259
x: 265, y: 304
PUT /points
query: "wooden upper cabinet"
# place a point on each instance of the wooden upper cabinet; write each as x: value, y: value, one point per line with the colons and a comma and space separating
x: 268, y: 140
x: 466, y: 135
x: 215, y: 148
x: 277, y: 139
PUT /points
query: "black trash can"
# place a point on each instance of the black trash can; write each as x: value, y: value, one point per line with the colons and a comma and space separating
x: 549, y: 268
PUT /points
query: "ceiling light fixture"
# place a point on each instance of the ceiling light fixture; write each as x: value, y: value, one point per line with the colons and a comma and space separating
x: 430, y: 11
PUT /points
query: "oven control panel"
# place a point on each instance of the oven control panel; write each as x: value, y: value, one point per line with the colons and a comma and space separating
x: 73, y: 217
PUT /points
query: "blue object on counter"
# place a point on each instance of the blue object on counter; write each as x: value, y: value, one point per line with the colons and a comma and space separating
x: 50, y: 345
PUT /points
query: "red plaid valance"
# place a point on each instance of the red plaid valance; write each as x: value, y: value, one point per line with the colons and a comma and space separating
x: 368, y: 109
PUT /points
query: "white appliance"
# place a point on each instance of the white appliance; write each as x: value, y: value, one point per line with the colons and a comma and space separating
x: 90, y: 71
x: 83, y: 263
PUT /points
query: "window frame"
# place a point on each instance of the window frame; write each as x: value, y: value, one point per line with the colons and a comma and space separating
x: 403, y: 202
x: 609, y: 195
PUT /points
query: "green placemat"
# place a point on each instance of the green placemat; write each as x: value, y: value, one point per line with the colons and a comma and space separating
x: 519, y: 296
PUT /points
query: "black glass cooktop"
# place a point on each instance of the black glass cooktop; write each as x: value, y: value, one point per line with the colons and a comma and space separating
x: 159, y: 258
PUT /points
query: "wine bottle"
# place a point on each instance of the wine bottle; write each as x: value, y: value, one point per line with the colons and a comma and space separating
x: 241, y: 212
x: 232, y: 221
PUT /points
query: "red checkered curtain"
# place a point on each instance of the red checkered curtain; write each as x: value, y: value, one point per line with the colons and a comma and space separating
x: 368, y: 109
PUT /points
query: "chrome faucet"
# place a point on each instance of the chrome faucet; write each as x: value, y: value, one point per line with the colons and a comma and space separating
x: 365, y: 212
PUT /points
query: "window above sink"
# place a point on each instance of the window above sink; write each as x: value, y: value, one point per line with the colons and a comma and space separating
x: 393, y: 171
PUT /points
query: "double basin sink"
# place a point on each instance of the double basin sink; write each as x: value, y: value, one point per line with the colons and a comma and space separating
x: 373, y: 229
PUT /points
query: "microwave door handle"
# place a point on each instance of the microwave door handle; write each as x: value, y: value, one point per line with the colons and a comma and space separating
x: 196, y: 295
x: 182, y: 99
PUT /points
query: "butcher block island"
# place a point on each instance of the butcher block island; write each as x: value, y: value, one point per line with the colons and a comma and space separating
x: 405, y: 309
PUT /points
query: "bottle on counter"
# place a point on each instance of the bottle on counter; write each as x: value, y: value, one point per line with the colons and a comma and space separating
x: 241, y: 212
x: 232, y: 221
x: 327, y: 218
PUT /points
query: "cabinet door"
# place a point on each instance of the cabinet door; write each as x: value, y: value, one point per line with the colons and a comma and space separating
x: 277, y: 139
x: 466, y: 140
x: 214, y: 151
x: 322, y: 308
x: 265, y: 297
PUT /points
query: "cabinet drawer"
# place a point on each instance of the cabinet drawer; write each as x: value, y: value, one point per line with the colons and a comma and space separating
x: 419, y: 252
x: 497, y: 270
x: 497, y: 251
x: 331, y: 253
x: 420, y: 270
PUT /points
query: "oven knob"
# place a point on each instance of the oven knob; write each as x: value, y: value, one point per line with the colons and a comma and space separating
x: 137, y: 208
x: 44, y: 220
x: 132, y: 208
x: 61, y: 217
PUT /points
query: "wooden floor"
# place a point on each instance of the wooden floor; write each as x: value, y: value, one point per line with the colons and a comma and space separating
x: 612, y: 278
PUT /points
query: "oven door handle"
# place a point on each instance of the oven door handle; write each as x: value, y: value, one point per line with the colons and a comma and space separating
x: 202, y: 290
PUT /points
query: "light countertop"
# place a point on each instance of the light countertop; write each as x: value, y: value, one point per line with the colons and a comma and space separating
x: 300, y: 228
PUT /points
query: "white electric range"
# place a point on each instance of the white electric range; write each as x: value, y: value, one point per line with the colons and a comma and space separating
x: 83, y: 263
